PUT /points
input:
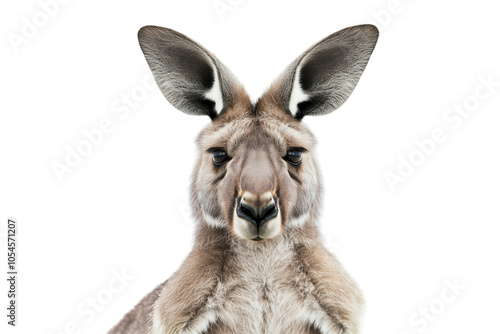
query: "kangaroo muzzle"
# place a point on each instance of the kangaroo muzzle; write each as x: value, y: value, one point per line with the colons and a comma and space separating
x: 257, y: 217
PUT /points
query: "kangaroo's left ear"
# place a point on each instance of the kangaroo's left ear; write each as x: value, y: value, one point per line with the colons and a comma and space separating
x: 323, y: 77
x: 191, y: 78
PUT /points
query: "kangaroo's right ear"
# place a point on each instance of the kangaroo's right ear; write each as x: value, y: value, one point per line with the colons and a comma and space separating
x: 190, y: 77
x: 324, y: 76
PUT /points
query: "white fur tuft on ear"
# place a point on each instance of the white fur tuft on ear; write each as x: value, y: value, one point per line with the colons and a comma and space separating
x: 215, y: 93
x: 298, y: 95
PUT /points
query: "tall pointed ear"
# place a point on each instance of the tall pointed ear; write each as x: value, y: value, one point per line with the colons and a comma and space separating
x: 324, y: 76
x: 190, y: 77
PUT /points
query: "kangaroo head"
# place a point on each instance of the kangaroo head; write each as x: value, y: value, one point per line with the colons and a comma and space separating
x: 256, y: 174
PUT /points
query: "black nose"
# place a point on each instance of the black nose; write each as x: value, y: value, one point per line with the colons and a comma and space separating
x: 256, y: 214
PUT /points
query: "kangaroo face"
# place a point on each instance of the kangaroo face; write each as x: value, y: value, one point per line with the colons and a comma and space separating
x: 256, y: 174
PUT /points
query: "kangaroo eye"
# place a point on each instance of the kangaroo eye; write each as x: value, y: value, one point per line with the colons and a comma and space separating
x: 294, y: 157
x: 219, y: 157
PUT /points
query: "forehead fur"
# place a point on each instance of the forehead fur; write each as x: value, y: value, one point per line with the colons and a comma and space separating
x: 258, y: 130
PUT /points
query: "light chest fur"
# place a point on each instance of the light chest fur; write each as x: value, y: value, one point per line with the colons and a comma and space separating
x: 263, y: 290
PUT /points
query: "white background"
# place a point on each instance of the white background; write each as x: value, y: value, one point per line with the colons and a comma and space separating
x: 124, y: 206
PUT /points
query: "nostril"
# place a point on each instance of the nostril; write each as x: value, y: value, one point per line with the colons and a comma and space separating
x: 269, y: 212
x: 245, y: 211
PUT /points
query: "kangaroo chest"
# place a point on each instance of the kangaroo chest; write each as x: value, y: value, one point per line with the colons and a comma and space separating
x: 266, y: 291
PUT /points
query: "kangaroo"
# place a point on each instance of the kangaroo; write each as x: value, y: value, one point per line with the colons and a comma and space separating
x: 258, y: 264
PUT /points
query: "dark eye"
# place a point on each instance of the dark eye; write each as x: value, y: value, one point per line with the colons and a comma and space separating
x: 294, y: 157
x: 219, y: 157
